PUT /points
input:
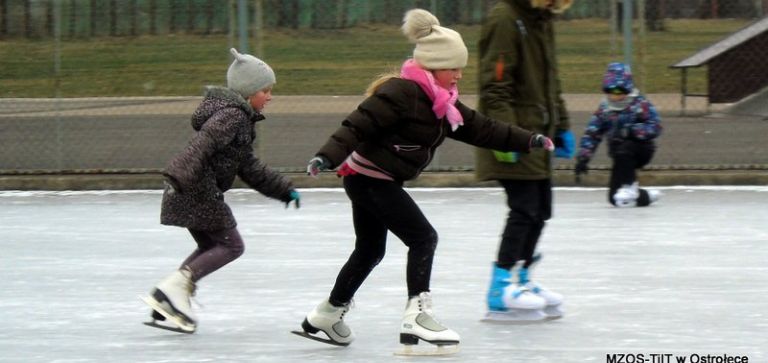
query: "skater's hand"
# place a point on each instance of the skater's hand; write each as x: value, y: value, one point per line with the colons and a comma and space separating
x: 295, y: 197
x: 565, y: 144
x: 542, y: 142
x: 581, y: 168
x: 317, y: 164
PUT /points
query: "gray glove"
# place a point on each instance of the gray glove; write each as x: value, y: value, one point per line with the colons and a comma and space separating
x: 317, y: 164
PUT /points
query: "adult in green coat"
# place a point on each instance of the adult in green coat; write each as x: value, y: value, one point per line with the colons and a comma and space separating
x: 519, y: 84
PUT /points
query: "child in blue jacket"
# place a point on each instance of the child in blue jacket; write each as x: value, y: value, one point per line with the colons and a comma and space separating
x: 631, y: 124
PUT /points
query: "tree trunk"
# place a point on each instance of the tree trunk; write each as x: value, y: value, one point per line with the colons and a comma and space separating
x: 28, y: 19
x: 134, y: 11
x: 152, y: 17
x: 72, y: 19
x: 190, y: 16
x: 113, y: 18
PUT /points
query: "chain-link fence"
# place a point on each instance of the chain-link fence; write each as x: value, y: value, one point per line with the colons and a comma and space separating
x: 104, y: 85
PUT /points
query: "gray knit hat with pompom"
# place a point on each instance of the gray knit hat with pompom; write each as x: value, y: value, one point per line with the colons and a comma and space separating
x: 248, y: 74
x: 436, y: 47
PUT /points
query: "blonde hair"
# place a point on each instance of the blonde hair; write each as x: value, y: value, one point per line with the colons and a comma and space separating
x: 376, y: 83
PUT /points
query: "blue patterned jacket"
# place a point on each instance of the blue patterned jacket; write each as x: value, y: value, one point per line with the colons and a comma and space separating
x: 633, y: 119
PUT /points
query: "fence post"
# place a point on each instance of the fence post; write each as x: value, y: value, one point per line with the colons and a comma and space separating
x: 614, y: 28
x: 231, y: 26
x: 258, y: 27
x: 242, y: 25
x: 57, y: 78
x: 627, y: 25
x: 642, y: 42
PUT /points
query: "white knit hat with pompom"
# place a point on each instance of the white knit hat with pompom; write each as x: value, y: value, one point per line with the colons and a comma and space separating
x: 436, y: 47
x: 248, y: 74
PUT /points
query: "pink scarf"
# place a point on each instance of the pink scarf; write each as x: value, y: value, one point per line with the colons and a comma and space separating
x: 443, y: 100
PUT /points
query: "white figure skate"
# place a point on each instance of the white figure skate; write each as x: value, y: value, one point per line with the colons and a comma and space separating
x: 627, y: 195
x: 330, y: 320
x: 169, y: 300
x: 419, y: 323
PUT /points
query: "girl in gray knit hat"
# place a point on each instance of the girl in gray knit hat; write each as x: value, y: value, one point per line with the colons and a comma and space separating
x: 198, y: 176
x: 390, y: 138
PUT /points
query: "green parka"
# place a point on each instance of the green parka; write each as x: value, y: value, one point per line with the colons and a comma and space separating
x: 519, y: 85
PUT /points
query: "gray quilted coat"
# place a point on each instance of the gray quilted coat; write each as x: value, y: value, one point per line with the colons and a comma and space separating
x: 220, y: 149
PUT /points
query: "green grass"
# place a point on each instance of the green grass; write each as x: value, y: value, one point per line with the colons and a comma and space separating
x: 324, y: 62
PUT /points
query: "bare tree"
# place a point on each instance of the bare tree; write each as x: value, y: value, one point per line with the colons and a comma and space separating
x: 113, y: 17
x: 153, y: 17
x: 3, y: 19
x: 172, y: 16
x: 134, y: 14
x: 209, y: 13
x: 28, y: 19
x: 72, y: 19
x: 190, y: 10
x: 92, y: 27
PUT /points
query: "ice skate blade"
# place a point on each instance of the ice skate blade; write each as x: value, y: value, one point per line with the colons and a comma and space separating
x: 430, y: 350
x: 515, y: 317
x: 553, y: 312
x: 165, y: 327
x: 319, y: 339
x: 182, y: 325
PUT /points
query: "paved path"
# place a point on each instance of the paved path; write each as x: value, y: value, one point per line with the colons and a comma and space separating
x: 134, y: 134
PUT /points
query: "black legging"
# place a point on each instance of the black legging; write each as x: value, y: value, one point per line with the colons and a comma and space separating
x: 628, y: 156
x: 378, y: 206
x: 530, y: 205
x: 214, y: 250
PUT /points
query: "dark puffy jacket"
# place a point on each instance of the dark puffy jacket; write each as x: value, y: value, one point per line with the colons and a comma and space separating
x: 220, y: 150
x: 396, y: 129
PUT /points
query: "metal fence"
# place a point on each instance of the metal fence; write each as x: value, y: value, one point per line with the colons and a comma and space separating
x: 107, y: 85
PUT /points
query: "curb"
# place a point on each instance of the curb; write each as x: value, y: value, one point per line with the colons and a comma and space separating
x: 561, y: 178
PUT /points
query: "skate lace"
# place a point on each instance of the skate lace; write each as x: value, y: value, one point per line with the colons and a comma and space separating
x: 192, y: 288
x: 347, y: 308
x: 425, y: 303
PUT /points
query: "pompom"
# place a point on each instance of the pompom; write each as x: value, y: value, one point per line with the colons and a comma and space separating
x: 418, y: 23
x: 239, y: 57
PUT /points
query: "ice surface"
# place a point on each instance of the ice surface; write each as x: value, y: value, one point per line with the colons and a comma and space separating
x: 686, y: 276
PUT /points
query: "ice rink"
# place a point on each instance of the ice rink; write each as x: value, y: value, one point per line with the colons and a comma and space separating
x: 687, y: 277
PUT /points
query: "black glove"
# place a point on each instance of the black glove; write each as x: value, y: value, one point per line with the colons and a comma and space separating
x: 581, y: 168
x: 317, y: 164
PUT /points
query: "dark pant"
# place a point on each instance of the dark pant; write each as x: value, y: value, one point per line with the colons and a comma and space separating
x: 628, y: 156
x: 379, y: 206
x: 530, y: 205
x: 214, y: 250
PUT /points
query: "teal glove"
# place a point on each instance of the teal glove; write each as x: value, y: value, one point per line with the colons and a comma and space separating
x: 294, y: 196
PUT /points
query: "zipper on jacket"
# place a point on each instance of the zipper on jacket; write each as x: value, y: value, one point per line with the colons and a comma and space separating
x: 407, y: 147
x: 432, y: 147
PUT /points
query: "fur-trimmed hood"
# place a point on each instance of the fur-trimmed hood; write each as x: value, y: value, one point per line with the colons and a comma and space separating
x: 215, y: 99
